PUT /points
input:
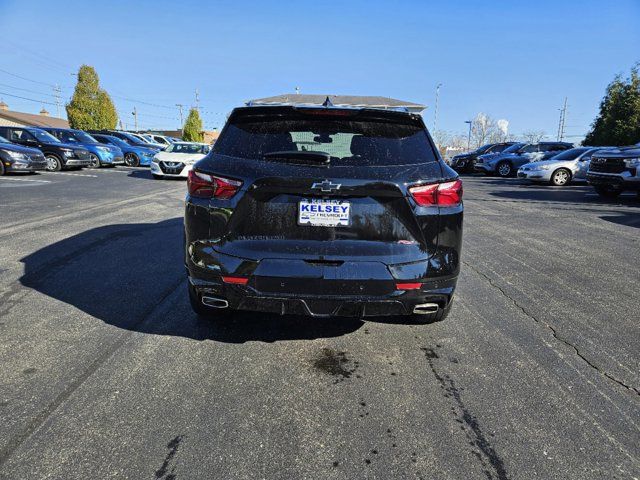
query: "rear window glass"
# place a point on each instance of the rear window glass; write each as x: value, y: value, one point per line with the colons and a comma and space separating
x: 347, y: 141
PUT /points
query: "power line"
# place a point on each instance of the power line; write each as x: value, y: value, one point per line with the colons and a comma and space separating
x: 26, y: 90
x: 25, y: 78
x: 29, y: 99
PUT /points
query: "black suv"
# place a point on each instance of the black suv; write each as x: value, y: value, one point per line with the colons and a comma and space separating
x: 464, y: 162
x: 58, y: 155
x: 323, y: 211
x: 611, y: 172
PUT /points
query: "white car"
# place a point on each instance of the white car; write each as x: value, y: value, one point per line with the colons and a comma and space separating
x: 570, y: 165
x: 161, y: 139
x: 177, y: 159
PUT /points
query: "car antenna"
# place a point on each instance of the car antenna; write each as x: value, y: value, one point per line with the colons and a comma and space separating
x: 327, y: 103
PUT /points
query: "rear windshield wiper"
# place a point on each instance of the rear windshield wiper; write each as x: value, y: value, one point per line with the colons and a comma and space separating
x: 299, y: 156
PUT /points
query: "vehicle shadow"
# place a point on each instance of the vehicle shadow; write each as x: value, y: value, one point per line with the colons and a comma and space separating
x: 529, y: 192
x: 629, y: 219
x: 126, y: 275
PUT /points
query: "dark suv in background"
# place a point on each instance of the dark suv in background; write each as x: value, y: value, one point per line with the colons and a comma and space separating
x: 58, y: 155
x: 613, y: 171
x: 507, y: 163
x: 323, y: 211
x: 465, y: 162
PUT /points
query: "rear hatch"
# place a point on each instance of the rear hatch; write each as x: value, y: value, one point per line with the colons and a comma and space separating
x: 324, y: 194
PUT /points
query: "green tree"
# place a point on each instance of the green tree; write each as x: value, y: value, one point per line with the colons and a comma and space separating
x: 192, y: 129
x: 91, y: 107
x: 618, y: 122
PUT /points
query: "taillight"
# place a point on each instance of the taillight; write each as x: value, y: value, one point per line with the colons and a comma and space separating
x: 446, y: 194
x: 204, y: 185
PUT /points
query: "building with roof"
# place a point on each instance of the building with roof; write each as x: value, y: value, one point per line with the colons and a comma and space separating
x: 339, y: 101
x: 9, y: 118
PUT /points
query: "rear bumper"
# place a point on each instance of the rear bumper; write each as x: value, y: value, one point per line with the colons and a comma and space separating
x: 245, y: 297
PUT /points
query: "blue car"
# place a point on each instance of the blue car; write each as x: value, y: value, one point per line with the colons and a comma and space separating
x: 134, y: 156
x: 99, y: 154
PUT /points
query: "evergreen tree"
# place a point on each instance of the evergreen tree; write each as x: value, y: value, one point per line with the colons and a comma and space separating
x: 618, y: 122
x: 91, y: 107
x: 192, y: 130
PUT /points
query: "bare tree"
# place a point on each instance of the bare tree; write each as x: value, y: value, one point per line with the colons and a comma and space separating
x: 485, y: 129
x: 533, y: 136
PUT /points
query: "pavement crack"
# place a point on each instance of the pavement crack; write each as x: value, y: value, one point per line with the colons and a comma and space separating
x: 554, y: 332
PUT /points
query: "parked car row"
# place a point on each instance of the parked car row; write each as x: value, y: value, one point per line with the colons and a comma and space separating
x: 29, y: 149
x: 611, y: 170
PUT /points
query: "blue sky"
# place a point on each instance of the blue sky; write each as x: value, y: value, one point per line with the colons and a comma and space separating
x: 513, y: 60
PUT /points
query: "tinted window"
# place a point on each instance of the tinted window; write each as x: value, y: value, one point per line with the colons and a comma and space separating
x: 44, y: 136
x: 532, y: 147
x: 498, y: 148
x: 347, y: 141
x: 188, y: 148
x: 571, y: 154
x: 18, y: 135
x: 513, y: 148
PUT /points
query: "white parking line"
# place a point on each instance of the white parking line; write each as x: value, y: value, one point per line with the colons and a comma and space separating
x: 24, y: 180
x: 72, y: 174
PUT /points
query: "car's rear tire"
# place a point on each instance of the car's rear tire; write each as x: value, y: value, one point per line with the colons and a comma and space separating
x: 504, y: 169
x: 131, y: 160
x: 53, y: 163
x: 2, y: 169
x: 204, y: 311
x: 607, y: 191
x: 95, y: 161
x: 560, y: 177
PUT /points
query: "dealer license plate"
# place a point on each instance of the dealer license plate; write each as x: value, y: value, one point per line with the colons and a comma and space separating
x: 324, y: 213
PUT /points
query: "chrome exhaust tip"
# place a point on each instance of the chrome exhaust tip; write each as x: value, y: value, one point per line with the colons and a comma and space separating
x: 214, y: 302
x: 426, y: 308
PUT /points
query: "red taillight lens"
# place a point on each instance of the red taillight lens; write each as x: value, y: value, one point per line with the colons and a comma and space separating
x: 408, y: 286
x: 204, y: 185
x: 446, y: 194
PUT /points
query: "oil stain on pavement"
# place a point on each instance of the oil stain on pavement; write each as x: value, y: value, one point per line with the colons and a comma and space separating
x: 335, y: 363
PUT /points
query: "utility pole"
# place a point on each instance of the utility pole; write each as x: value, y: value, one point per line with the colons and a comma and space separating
x: 135, y: 118
x: 56, y: 93
x: 197, y: 100
x: 435, y: 114
x: 469, y: 137
x: 180, y: 107
x: 561, y: 122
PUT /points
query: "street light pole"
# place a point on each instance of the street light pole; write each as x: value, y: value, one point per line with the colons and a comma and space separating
x: 435, y: 113
x: 469, y: 137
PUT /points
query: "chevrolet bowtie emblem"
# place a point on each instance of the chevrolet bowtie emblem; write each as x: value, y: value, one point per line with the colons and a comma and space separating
x: 326, y: 186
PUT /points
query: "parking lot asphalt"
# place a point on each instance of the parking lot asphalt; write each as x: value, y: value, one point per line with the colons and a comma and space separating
x: 106, y: 373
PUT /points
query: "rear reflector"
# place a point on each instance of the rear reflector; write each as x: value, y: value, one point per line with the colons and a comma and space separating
x: 235, y: 280
x: 408, y: 286
x: 446, y: 194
